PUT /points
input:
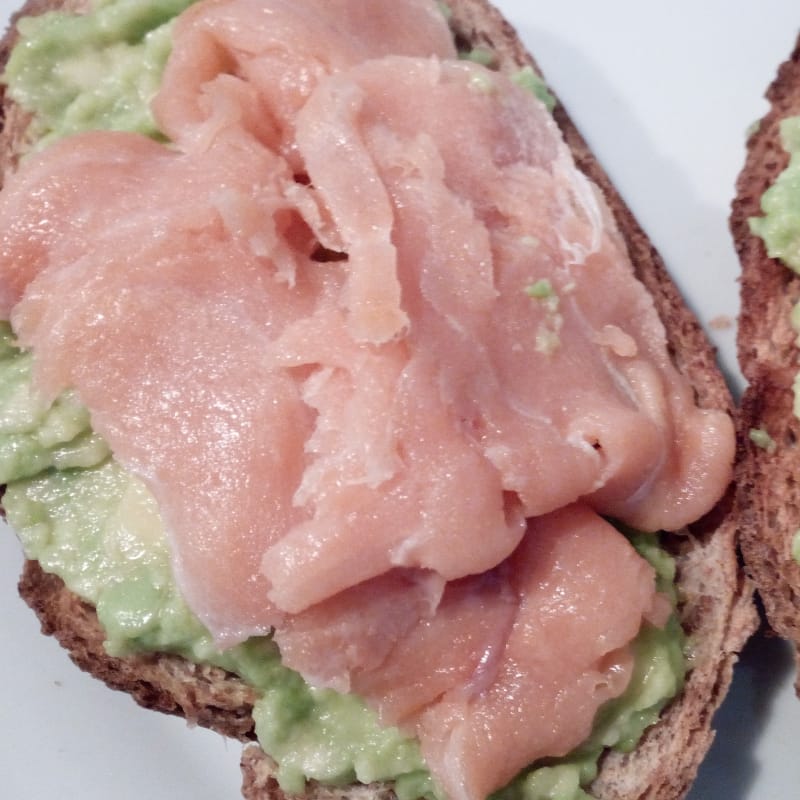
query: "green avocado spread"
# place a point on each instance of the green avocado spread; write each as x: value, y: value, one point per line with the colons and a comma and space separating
x: 84, y: 518
x: 780, y: 225
x: 779, y: 228
x: 92, y: 71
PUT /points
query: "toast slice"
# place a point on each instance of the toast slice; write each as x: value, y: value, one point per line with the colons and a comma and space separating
x: 768, y: 494
x: 715, y: 600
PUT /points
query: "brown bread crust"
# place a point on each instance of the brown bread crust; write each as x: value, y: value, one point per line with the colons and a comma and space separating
x: 716, y: 609
x: 204, y: 695
x: 768, y: 493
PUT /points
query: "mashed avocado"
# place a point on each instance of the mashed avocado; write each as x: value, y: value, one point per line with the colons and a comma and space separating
x: 33, y: 434
x: 779, y: 228
x: 529, y: 79
x: 84, y: 518
x: 780, y: 225
x: 94, y: 71
x: 761, y: 438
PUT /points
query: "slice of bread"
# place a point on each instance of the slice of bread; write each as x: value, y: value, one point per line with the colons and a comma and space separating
x: 715, y: 600
x: 768, y: 494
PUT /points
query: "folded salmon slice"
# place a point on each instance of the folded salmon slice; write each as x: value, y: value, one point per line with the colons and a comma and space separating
x: 583, y: 592
x: 510, y: 667
x: 417, y: 367
x: 220, y: 192
x: 254, y: 64
x: 347, y: 447
x: 465, y: 244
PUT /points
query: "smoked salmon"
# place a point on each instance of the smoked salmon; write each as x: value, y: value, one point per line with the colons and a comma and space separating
x: 375, y: 345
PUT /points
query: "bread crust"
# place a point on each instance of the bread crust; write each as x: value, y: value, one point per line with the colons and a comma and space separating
x: 768, y: 496
x: 715, y: 606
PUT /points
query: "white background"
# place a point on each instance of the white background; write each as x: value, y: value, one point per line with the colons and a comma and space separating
x: 664, y: 93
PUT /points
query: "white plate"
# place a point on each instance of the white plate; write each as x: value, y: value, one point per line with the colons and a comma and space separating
x: 664, y: 93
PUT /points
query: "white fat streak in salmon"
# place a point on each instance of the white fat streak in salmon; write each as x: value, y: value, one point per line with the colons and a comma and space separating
x: 578, y: 193
x: 243, y: 220
x: 365, y: 221
x: 485, y: 672
x: 313, y: 211
x: 359, y: 628
x: 379, y: 464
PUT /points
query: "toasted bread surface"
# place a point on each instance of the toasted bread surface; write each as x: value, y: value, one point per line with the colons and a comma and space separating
x: 204, y: 695
x: 715, y: 600
x: 768, y: 494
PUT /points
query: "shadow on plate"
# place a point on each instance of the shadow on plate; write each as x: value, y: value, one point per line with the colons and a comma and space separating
x: 764, y: 672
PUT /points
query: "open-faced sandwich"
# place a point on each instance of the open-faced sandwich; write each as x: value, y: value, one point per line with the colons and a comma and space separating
x: 766, y: 227
x: 346, y: 408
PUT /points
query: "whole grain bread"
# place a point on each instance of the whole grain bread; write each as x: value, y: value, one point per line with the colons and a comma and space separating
x: 715, y: 599
x: 768, y: 496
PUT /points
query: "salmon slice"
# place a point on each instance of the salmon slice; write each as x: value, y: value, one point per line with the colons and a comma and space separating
x: 239, y: 215
x: 358, y: 629
x: 420, y: 517
x: 509, y: 667
x: 254, y: 63
x: 459, y: 645
x: 582, y: 593
x: 424, y: 402
x: 453, y: 214
x: 156, y: 314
